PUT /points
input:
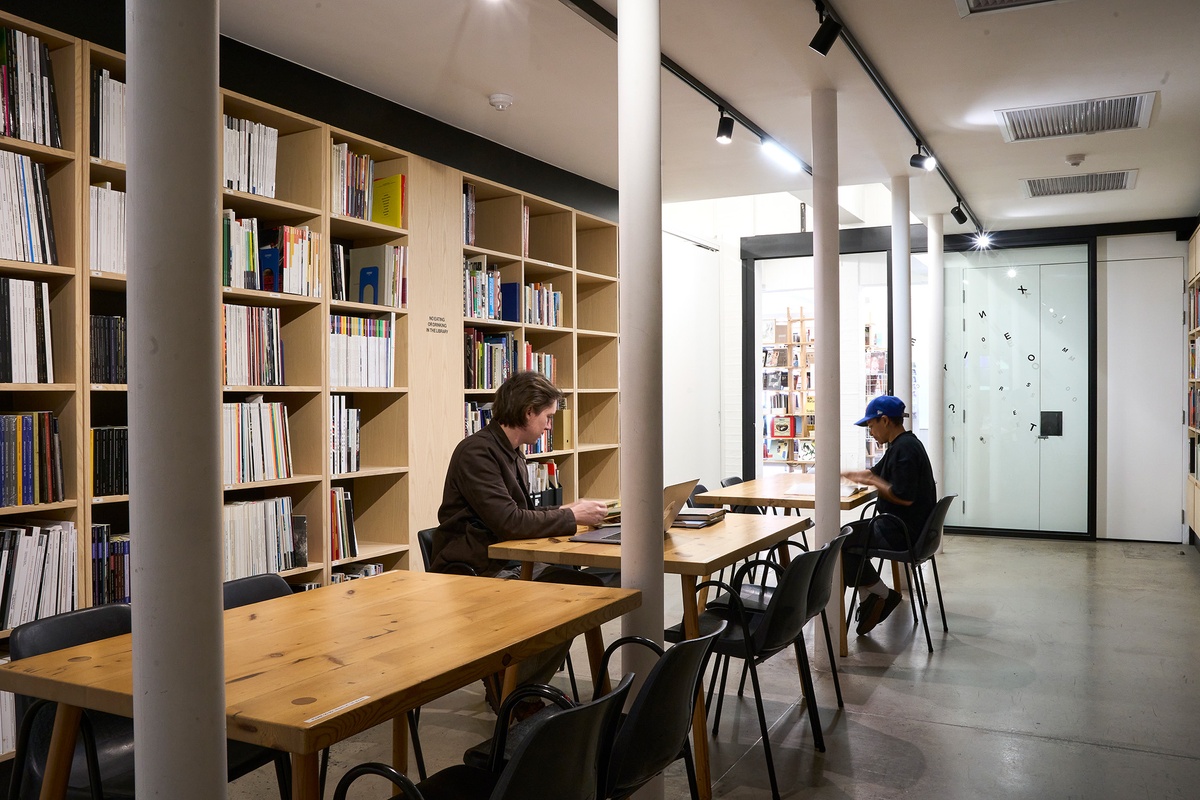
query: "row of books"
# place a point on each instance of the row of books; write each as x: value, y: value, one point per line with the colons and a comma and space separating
x: 109, y: 446
x: 283, y: 259
x: 253, y: 353
x: 544, y: 443
x: 374, y: 275
x: 545, y: 363
x: 352, y: 572
x: 112, y: 572
x: 38, y: 570
x: 343, y: 542
x: 476, y: 416
x: 106, y: 231
x: 263, y: 536
x: 27, y: 89
x: 31, y: 465
x: 485, y: 296
x: 1193, y: 407
x: 344, y: 455
x: 108, y: 116
x: 352, y: 182
x: 468, y: 214
x: 543, y: 305
x: 362, y: 351
x: 257, y: 446
x: 489, y: 358
x: 26, y: 223
x: 109, y: 355
x: 26, y: 343
x: 251, y: 154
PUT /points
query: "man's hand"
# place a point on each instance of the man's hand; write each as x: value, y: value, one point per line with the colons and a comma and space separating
x: 588, y: 512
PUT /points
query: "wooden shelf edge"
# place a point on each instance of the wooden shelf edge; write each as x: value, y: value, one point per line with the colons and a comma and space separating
x: 37, y: 508
x: 292, y: 481
x: 369, y: 472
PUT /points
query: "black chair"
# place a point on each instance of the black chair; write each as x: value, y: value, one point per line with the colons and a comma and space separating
x: 699, y: 488
x: 102, y: 767
x: 913, y: 557
x: 756, y: 637
x: 734, y: 480
x: 244, y: 758
x: 563, y: 757
x: 654, y: 734
x: 425, y: 545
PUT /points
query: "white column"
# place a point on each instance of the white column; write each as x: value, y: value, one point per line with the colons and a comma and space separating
x: 937, y: 349
x: 827, y: 517
x: 174, y: 398
x: 901, y: 294
x: 639, y: 147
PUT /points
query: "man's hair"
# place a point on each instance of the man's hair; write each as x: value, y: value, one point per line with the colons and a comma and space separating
x: 523, y: 392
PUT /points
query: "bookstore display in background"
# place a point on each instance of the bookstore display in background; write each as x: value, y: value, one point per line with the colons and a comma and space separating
x: 540, y: 293
x: 789, y: 392
x: 1192, y: 331
x: 875, y: 353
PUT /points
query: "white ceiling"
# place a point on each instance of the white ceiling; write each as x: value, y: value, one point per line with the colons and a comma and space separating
x: 444, y: 57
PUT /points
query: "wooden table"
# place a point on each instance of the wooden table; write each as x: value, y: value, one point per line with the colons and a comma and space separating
x: 787, y: 491
x: 357, y: 654
x: 784, y: 490
x: 689, y: 553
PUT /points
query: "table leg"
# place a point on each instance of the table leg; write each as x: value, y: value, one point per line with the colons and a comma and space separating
x: 595, y: 647
x: 306, y: 776
x: 691, y: 629
x: 400, y: 743
x: 526, y: 570
x: 62, y: 751
x: 896, y: 576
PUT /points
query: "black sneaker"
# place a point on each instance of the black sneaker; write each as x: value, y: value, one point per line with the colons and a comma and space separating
x: 875, y: 609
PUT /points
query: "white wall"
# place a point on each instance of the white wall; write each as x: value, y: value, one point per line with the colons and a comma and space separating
x: 1141, y: 446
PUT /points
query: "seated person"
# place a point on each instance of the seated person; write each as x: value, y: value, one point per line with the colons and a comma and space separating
x: 486, y: 496
x: 904, y: 481
x: 486, y: 500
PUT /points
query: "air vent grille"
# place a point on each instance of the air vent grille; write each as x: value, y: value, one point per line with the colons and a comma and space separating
x: 1079, y: 184
x: 1073, y: 119
x: 968, y: 7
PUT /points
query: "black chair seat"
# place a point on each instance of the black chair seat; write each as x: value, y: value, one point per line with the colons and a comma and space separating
x: 457, y: 782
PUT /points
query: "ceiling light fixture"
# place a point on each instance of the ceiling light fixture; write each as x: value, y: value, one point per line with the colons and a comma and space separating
x: 957, y: 212
x: 776, y: 152
x: 827, y: 34
x: 983, y: 240
x: 922, y: 159
x: 725, y: 128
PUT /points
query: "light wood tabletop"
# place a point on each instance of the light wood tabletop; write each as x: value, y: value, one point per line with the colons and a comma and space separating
x: 690, y: 553
x: 356, y: 655
x: 783, y: 490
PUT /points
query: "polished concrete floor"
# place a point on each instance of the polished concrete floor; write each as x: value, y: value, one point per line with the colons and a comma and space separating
x: 1071, y: 670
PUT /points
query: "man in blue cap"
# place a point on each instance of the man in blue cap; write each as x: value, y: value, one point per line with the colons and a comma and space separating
x: 904, y: 481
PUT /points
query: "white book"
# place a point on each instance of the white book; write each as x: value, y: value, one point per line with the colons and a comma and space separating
x: 48, y: 345
x: 30, y: 314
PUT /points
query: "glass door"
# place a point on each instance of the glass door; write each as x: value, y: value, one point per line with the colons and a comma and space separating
x: 1017, y: 394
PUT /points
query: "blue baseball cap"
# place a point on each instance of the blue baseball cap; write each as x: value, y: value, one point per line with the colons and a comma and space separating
x: 883, y: 406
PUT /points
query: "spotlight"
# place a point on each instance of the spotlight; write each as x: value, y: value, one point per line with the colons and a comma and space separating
x: 982, y: 240
x: 922, y: 159
x: 827, y: 34
x: 725, y: 128
x: 780, y: 156
x: 959, y: 215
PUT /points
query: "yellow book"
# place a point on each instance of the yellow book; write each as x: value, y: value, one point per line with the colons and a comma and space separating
x: 387, y: 204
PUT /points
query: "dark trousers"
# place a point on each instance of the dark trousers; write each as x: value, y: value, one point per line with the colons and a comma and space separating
x: 885, y: 533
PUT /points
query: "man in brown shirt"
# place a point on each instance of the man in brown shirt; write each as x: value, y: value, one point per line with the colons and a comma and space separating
x: 486, y: 496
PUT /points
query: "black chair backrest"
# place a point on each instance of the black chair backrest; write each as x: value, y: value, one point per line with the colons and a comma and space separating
x: 783, y: 620
x: 425, y: 545
x: 565, y: 753
x: 821, y: 586
x: 699, y: 488
x: 254, y: 589
x: 930, y: 540
x: 734, y: 480
x: 653, y: 733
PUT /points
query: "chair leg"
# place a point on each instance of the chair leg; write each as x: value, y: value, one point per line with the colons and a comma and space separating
x: 914, y: 596
x: 810, y: 694
x: 571, y: 676
x: 837, y: 685
x: 742, y: 682
x: 414, y: 719
x: 690, y: 766
x: 937, y: 584
x: 862, y: 562
x: 712, y: 682
x: 324, y: 770
x: 920, y: 607
x: 762, y: 724
x: 283, y: 775
x: 721, y: 697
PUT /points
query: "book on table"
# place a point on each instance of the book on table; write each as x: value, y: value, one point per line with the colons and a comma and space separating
x: 699, y: 517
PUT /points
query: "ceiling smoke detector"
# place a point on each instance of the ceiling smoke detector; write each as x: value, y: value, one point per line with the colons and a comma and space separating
x: 1075, y: 159
x: 500, y: 101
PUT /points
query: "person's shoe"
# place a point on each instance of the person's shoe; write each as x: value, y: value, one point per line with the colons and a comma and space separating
x: 875, y: 609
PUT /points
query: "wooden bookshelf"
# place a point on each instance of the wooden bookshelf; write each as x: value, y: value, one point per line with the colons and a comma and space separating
x: 787, y: 359
x: 529, y: 240
x: 1192, y: 331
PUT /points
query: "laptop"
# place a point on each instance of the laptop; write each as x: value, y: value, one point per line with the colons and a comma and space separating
x: 675, y: 497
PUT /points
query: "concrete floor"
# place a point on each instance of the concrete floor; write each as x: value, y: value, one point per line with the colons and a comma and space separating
x: 1071, y: 670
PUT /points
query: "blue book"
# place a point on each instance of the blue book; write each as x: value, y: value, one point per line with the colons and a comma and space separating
x: 27, y: 459
x: 510, y: 302
x: 268, y: 269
